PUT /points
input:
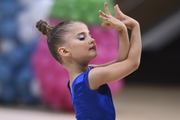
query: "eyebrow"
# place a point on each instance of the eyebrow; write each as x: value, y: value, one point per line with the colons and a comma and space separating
x: 83, y: 33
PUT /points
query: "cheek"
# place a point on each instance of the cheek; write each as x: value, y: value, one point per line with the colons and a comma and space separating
x: 82, y: 47
x: 78, y: 47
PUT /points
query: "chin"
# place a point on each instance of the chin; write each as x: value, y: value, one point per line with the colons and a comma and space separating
x: 94, y: 56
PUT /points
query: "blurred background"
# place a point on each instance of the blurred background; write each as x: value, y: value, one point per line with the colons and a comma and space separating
x: 34, y: 86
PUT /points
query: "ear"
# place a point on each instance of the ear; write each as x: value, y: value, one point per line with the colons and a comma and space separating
x: 63, y: 51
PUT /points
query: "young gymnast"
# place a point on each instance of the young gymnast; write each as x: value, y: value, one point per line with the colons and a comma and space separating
x: 71, y: 44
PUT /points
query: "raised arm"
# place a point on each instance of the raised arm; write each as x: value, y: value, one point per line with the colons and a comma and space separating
x: 118, y: 70
x: 123, y: 38
x: 124, y: 44
x: 135, y: 33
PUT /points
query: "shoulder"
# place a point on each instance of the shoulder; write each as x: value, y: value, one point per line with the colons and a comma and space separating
x: 81, y: 80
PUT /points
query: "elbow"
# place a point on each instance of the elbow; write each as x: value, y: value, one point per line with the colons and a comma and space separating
x: 136, y: 64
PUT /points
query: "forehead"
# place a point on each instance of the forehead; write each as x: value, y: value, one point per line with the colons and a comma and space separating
x: 78, y: 27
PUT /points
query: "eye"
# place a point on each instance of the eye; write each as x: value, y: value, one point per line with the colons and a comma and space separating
x: 81, y: 37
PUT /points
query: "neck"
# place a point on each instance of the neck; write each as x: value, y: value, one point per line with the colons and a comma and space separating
x: 74, y: 69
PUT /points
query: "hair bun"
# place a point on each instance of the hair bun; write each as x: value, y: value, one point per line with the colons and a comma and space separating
x: 44, y: 27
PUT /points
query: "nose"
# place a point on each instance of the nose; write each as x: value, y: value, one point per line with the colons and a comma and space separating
x: 92, y: 41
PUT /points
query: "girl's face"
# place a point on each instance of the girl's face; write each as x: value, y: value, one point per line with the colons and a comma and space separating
x: 81, y: 45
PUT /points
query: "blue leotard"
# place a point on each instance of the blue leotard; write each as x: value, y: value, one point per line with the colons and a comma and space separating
x: 91, y: 104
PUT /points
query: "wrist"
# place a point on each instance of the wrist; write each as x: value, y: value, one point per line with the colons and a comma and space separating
x: 122, y: 29
x: 135, y: 25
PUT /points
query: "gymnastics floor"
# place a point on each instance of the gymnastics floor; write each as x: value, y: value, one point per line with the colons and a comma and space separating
x: 134, y: 102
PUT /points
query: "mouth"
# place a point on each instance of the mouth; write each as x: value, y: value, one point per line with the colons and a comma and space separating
x: 93, y: 48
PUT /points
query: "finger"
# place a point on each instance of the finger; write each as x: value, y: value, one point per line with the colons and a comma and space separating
x: 117, y: 10
x: 103, y: 14
x: 106, y: 8
x: 105, y: 24
x: 103, y: 18
x: 118, y: 14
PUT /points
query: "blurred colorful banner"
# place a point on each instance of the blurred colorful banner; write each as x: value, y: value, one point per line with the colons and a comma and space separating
x: 81, y: 10
x: 28, y: 73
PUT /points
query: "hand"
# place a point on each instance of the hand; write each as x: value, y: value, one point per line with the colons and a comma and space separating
x: 128, y: 21
x: 111, y: 21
